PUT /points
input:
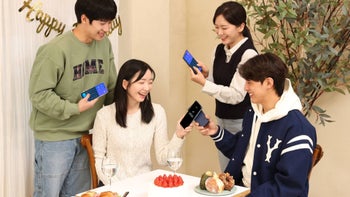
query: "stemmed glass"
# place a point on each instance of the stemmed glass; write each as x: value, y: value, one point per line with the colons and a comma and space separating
x: 174, y: 159
x: 109, y: 168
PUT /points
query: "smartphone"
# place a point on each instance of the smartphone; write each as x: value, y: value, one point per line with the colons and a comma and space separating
x: 191, y: 62
x: 95, y: 92
x: 201, y: 119
x: 194, y: 113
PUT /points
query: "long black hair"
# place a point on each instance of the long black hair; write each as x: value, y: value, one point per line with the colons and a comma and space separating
x: 127, y: 72
x: 235, y: 14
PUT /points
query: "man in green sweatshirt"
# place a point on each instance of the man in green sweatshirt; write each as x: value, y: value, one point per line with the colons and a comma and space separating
x: 63, y: 68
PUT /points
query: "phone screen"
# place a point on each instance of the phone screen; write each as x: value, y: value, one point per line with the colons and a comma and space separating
x: 95, y: 92
x: 189, y: 59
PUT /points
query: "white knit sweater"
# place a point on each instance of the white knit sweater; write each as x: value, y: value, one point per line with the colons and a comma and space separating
x: 131, y: 146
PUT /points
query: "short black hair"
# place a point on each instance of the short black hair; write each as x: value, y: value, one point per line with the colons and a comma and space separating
x: 262, y: 66
x: 104, y: 10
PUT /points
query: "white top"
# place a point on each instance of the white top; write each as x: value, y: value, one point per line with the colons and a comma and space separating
x: 131, y: 146
x: 234, y: 93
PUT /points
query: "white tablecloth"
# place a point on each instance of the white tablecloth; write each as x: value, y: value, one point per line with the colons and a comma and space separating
x: 138, y: 186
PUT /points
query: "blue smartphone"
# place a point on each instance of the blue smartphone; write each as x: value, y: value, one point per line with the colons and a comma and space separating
x: 194, y: 113
x: 191, y: 62
x: 201, y: 119
x: 95, y: 92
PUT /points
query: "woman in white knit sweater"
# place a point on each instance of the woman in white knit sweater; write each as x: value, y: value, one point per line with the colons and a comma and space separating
x: 126, y: 129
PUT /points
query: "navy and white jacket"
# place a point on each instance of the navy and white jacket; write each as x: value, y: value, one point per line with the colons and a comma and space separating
x: 282, y: 151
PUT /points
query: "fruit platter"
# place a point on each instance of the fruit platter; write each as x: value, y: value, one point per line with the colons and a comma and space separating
x: 168, y: 180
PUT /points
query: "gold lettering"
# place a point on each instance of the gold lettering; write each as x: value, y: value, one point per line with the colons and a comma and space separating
x: 60, y: 29
x: 43, y: 22
x: 36, y: 7
x: 28, y: 15
x: 51, y: 26
x: 52, y: 23
x: 38, y: 17
x: 26, y: 4
x: 116, y: 24
x: 120, y: 29
x: 44, y: 18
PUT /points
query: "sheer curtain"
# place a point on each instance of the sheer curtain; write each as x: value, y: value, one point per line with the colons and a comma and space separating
x: 19, y: 41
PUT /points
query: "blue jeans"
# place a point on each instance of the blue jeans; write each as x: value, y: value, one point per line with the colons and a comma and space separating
x: 61, y: 168
x: 234, y: 126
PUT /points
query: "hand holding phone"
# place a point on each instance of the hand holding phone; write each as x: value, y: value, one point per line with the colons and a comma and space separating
x: 194, y: 113
x: 95, y: 92
x: 191, y: 62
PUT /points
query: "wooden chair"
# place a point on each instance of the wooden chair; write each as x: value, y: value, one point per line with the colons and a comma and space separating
x: 316, y: 157
x: 86, y: 141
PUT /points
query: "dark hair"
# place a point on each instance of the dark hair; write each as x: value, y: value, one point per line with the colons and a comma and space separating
x: 262, y: 66
x: 235, y: 14
x: 103, y: 10
x: 128, y: 71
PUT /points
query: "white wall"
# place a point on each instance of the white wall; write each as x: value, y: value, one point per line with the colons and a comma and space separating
x: 148, y: 35
x: 331, y: 175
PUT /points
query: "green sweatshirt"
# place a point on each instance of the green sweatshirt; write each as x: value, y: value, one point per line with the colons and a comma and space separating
x: 63, y: 68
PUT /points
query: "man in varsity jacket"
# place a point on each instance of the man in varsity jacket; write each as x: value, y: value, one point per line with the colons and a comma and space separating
x: 272, y: 155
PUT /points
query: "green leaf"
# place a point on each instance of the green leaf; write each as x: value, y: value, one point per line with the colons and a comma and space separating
x: 312, y: 37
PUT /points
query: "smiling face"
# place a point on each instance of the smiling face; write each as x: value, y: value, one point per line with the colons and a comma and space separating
x: 228, y: 33
x: 255, y: 89
x: 137, y: 91
x: 96, y: 30
x: 262, y: 93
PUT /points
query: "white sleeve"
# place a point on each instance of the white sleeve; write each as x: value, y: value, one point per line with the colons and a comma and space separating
x: 99, y: 144
x: 234, y: 93
x: 210, y: 75
x: 161, y: 140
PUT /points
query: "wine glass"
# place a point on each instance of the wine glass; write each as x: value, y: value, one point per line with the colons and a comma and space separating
x: 109, y: 168
x: 174, y: 159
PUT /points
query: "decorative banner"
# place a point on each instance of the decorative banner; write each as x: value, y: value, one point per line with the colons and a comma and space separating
x: 116, y: 24
x: 51, y: 23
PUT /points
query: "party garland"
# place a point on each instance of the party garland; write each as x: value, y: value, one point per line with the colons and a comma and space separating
x: 51, y: 23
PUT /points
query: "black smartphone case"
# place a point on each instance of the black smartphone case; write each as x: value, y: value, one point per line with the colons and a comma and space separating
x: 194, y: 113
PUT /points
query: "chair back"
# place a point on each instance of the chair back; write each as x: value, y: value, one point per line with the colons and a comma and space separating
x: 86, y: 141
x: 316, y: 157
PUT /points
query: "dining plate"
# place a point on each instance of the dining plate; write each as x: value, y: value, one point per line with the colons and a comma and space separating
x: 223, y: 193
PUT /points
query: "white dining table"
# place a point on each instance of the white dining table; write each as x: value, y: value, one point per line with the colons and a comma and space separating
x: 138, y: 186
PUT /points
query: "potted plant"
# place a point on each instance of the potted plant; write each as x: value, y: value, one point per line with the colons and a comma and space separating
x: 313, y: 38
